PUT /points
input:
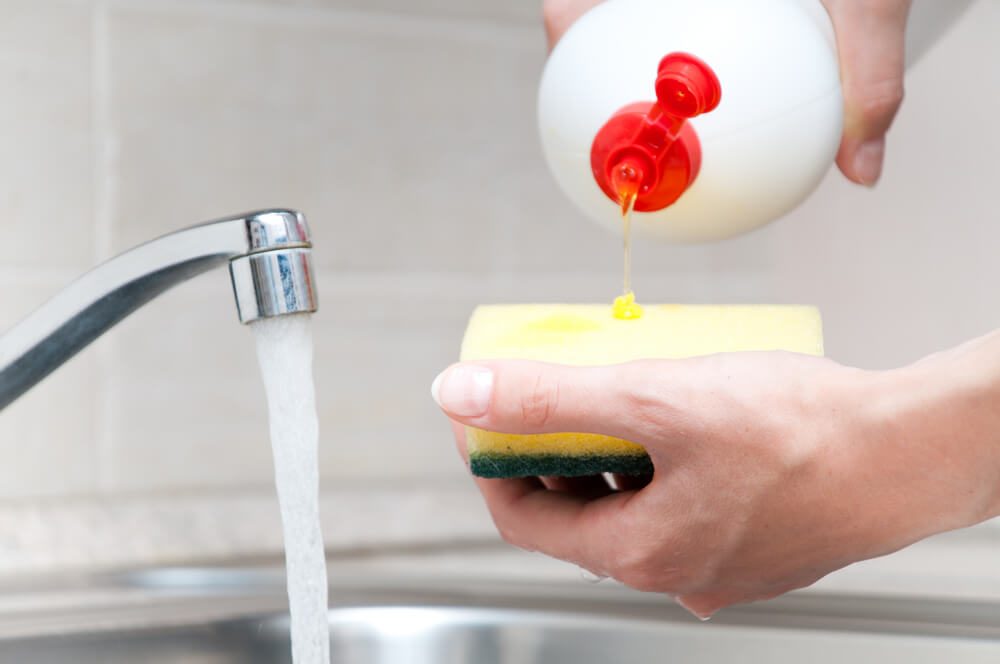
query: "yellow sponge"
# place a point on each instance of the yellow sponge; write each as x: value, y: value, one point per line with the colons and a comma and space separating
x: 587, y: 334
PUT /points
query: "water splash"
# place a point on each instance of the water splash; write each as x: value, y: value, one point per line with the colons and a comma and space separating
x: 285, y: 354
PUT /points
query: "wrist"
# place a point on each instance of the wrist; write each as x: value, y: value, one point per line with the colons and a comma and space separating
x: 944, y: 412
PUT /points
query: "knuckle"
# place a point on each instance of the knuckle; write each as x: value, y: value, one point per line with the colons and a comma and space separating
x: 640, y: 394
x: 508, y: 533
x: 648, y: 405
x: 506, y: 525
x: 540, y: 400
x: 639, y: 561
x: 645, y: 408
x: 879, y: 101
x: 655, y: 562
x: 635, y: 578
x: 638, y: 569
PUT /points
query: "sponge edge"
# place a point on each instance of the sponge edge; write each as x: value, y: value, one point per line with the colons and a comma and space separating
x: 495, y: 465
x: 494, y: 454
x: 580, y: 334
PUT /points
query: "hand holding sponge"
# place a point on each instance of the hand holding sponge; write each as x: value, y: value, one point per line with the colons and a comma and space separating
x: 583, y: 335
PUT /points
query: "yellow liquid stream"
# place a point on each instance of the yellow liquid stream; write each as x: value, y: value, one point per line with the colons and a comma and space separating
x: 625, y: 306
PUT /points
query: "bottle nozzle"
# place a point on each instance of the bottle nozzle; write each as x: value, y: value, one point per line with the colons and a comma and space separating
x: 626, y: 179
x: 648, y: 150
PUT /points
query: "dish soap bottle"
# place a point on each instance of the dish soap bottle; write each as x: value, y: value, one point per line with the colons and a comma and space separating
x: 726, y: 113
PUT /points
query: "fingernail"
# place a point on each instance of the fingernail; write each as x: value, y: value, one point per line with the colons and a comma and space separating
x: 868, y: 161
x: 464, y: 390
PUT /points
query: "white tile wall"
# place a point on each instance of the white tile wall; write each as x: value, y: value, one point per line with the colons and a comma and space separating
x: 360, y: 121
x: 48, y: 441
x: 406, y: 131
x: 911, y: 267
x: 46, y: 147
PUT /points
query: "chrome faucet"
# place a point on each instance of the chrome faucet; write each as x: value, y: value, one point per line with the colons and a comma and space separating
x: 270, y: 263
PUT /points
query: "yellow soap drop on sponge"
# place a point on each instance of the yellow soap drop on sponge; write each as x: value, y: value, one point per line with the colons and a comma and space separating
x: 588, y: 334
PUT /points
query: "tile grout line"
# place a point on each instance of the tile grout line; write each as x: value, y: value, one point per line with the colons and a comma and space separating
x: 101, y: 132
x: 103, y: 188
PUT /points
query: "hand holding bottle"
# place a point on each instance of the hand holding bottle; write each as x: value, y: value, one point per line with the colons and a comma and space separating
x: 870, y: 37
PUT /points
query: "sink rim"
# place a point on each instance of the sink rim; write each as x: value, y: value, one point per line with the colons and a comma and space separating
x: 169, y: 597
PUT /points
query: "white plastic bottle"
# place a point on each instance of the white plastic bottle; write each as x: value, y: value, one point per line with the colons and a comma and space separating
x: 731, y: 130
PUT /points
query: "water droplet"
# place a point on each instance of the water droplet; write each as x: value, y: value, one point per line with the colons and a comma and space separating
x: 590, y: 577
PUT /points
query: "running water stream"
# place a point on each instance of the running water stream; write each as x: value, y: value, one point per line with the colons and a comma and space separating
x: 285, y: 354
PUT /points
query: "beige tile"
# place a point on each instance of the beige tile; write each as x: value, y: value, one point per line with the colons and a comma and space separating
x: 395, y: 136
x: 379, y: 343
x: 422, y: 154
x: 46, y: 150
x: 510, y: 10
x: 47, y: 437
x: 186, y: 407
x: 910, y: 267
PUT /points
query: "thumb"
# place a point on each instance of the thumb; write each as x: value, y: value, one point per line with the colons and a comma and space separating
x: 870, y: 43
x: 520, y: 397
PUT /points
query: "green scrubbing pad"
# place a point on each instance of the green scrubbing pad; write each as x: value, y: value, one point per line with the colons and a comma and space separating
x: 487, y: 464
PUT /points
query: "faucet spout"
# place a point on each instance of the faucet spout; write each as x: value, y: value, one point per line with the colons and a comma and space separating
x: 269, y: 253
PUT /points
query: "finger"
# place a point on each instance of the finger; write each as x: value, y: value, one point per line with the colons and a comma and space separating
x: 563, y: 525
x: 523, y: 483
x: 704, y: 605
x: 460, y: 443
x: 630, y: 401
x: 623, y: 482
x: 870, y: 42
x: 558, y: 15
x: 588, y: 487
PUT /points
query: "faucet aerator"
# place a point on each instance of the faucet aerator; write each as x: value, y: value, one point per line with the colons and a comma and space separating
x: 273, y: 283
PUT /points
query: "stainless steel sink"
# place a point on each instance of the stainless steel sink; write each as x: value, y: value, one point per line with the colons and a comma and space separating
x: 235, y: 615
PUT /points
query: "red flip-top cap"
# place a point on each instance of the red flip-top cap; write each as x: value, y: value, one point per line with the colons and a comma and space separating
x: 648, y: 149
x: 686, y: 86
